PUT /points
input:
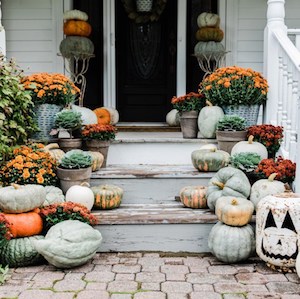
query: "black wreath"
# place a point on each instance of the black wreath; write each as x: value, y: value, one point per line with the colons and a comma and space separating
x: 144, y: 17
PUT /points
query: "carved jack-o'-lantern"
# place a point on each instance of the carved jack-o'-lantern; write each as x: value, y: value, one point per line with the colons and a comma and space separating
x: 278, y: 228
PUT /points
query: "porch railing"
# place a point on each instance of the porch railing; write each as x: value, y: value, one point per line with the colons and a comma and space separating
x: 282, y: 69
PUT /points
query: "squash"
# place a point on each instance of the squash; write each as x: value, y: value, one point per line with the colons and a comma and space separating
x: 87, y: 115
x: 97, y: 160
x: 19, y: 199
x: 20, y: 252
x: 103, y: 116
x: 207, y: 19
x: 81, y: 194
x: 234, y: 211
x: 68, y: 244
x: 208, y: 48
x: 107, y: 196
x: 207, y: 34
x: 231, y: 244
x: 250, y: 146
x: 55, y: 152
x: 25, y: 224
x: 76, y: 46
x: 77, y: 28
x: 264, y: 187
x: 114, y: 115
x: 53, y: 195
x: 194, y: 197
x: 210, y: 159
x: 228, y: 181
x: 173, y: 118
x: 208, y: 119
x: 75, y: 14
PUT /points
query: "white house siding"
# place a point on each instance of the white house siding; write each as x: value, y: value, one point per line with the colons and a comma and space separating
x: 33, y: 33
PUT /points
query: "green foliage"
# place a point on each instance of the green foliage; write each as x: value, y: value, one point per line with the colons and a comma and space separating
x: 231, y: 123
x: 76, y: 159
x: 247, y: 162
x: 3, y: 274
x: 68, y: 119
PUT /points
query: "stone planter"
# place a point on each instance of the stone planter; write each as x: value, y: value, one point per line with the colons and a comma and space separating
x: 99, y: 146
x: 68, y: 144
x: 71, y: 177
x: 227, y: 139
x: 189, y: 124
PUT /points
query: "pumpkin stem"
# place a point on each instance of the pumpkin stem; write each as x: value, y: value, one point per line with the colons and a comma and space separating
x: 16, y: 186
x: 213, y: 150
x: 85, y: 184
x: 208, y: 103
x: 234, y: 202
x: 287, y: 188
x: 250, y: 139
x: 219, y: 184
x: 272, y: 177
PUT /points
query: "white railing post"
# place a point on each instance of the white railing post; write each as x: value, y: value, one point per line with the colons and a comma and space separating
x: 2, y: 35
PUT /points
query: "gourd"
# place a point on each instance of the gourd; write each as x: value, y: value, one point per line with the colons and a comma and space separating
x: 55, y: 152
x: 76, y: 46
x: 107, y: 196
x: 207, y: 34
x: 208, y: 119
x: 53, y: 195
x: 77, y: 28
x: 97, y: 160
x: 69, y: 244
x: 19, y: 199
x: 234, y: 211
x: 75, y: 14
x: 81, y: 194
x: 210, y: 159
x: 208, y: 47
x: 231, y: 244
x: 20, y: 252
x: 107, y: 115
x: 25, y: 224
x: 87, y: 115
x: 194, y: 197
x: 173, y: 118
x: 207, y: 19
x: 264, y: 187
x: 228, y: 181
x: 250, y: 146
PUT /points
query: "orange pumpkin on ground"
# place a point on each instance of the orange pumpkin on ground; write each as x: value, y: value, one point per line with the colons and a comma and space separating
x: 103, y: 116
x: 77, y: 28
x: 25, y: 224
x: 194, y: 197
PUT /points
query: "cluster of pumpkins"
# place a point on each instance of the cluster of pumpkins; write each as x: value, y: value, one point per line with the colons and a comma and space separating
x: 77, y: 30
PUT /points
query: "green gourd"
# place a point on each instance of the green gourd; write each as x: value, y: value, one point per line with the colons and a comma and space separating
x: 53, y: 195
x: 19, y: 199
x: 231, y: 244
x: 76, y: 46
x: 194, y: 197
x: 20, y: 252
x: 107, y: 196
x: 208, y: 47
x: 69, y: 244
x: 228, y: 181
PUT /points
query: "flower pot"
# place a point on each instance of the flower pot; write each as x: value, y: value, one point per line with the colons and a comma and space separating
x: 189, y: 124
x: 71, y: 177
x: 67, y: 144
x: 98, y: 146
x: 227, y: 139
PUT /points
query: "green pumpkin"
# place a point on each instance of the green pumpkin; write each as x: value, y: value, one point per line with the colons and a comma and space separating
x: 231, y: 244
x: 20, y: 252
x: 208, y: 47
x: 76, y: 46
x: 69, y: 244
x: 53, y: 195
x: 210, y: 159
x: 107, y: 196
x: 228, y: 181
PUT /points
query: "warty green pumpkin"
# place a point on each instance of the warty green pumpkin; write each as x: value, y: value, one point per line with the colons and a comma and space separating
x: 194, y: 197
x: 107, y: 196
x: 76, y: 46
x: 208, y: 47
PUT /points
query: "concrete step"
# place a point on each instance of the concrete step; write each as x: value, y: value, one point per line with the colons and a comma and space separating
x: 146, y: 127
x: 150, y: 184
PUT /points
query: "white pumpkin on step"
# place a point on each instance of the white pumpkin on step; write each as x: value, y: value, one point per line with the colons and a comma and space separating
x: 173, y: 118
x: 88, y: 116
x: 81, y: 194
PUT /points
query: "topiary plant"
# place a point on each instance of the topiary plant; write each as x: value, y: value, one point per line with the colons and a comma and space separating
x: 231, y: 123
x: 245, y: 161
x: 76, y: 159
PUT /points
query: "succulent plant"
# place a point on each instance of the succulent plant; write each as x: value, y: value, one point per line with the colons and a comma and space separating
x: 76, y: 159
x: 68, y: 119
x: 246, y: 162
x: 231, y: 123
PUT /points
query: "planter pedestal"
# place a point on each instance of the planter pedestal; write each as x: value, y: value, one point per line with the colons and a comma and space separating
x: 189, y: 124
x: 98, y: 146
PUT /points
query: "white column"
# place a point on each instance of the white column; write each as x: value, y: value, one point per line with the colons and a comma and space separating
x: 2, y: 35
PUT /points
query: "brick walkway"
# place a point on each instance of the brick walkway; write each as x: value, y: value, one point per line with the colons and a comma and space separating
x: 152, y: 276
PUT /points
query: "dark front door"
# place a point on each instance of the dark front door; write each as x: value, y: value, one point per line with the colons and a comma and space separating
x: 145, y: 63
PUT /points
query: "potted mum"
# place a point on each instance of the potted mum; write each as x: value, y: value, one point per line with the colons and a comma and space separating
x: 189, y: 106
x: 98, y: 138
x: 237, y: 90
x: 50, y: 93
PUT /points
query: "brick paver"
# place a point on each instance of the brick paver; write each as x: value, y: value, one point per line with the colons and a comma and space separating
x: 152, y: 276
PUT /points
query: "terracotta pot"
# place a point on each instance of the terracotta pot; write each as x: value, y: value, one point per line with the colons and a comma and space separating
x: 189, y: 124
x: 99, y: 146
x: 227, y: 139
x: 67, y: 144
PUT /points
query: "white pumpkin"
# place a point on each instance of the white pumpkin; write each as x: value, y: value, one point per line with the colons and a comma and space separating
x: 207, y: 19
x: 114, y: 115
x: 53, y: 195
x: 209, y: 146
x: 75, y: 14
x: 81, y: 194
x: 250, y: 146
x: 88, y: 116
x: 173, y: 118
x: 264, y: 187
x: 208, y: 119
x: 298, y: 265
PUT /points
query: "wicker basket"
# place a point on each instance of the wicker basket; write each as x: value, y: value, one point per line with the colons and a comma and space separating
x: 249, y: 113
x: 45, y: 117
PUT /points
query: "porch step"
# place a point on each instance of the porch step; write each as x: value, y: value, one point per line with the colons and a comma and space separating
x: 146, y: 127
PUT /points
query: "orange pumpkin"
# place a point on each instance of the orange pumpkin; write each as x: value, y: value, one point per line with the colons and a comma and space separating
x: 25, y: 224
x: 103, y: 116
x: 77, y: 27
x: 206, y: 34
x: 194, y: 197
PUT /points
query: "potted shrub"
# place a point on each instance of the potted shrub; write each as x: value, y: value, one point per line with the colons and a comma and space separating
x: 189, y: 106
x: 98, y: 138
x: 230, y: 130
x: 75, y: 168
x: 237, y: 90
